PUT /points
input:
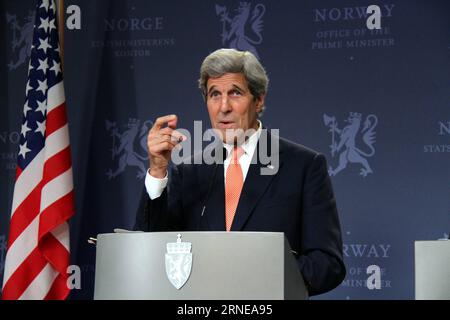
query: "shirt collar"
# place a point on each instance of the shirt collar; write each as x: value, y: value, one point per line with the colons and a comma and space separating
x: 248, y: 146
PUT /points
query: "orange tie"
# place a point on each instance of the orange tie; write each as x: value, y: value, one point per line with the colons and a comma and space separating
x: 233, y: 186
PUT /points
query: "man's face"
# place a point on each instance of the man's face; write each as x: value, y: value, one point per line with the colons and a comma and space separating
x: 231, y: 105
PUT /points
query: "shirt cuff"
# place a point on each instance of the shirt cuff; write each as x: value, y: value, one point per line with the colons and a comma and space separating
x: 155, y: 186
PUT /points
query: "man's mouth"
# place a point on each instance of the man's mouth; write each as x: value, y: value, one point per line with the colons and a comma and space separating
x: 226, y: 124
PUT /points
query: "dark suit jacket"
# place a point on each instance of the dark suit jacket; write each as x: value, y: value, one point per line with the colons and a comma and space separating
x: 298, y: 200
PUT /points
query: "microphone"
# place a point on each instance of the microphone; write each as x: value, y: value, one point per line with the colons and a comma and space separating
x: 213, y: 177
x: 211, y: 181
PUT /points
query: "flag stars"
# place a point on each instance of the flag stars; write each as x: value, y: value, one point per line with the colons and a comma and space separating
x: 52, y: 25
x: 43, y: 65
x: 23, y: 150
x: 42, y: 86
x: 26, y: 108
x: 30, y: 66
x: 25, y: 129
x: 44, y: 4
x: 40, y: 127
x: 44, y: 44
x: 44, y: 24
x: 56, y: 68
x: 42, y: 107
x: 29, y: 87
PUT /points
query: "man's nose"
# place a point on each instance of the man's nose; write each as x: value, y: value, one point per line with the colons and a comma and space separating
x: 225, y: 105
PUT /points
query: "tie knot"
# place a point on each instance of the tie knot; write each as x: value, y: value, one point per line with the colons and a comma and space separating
x: 237, y: 153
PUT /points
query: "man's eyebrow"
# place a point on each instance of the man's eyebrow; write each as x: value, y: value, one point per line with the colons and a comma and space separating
x: 211, y: 89
x: 237, y: 87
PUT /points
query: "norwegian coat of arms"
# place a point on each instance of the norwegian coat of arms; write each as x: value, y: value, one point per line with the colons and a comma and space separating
x: 129, y: 147
x: 178, y: 262
x: 235, y: 33
x: 345, y: 143
x: 22, y: 36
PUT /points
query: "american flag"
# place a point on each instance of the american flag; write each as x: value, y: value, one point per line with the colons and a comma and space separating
x: 38, y: 251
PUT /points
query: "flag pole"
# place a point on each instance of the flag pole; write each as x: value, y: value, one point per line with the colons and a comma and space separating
x: 60, y: 8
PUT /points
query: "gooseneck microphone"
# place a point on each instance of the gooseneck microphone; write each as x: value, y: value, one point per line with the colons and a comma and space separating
x: 213, y: 177
x: 210, y: 186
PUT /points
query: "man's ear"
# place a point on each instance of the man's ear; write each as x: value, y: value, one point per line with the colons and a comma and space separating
x: 260, y: 103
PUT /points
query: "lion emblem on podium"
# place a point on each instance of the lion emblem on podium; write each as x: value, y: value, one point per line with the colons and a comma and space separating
x: 178, y: 262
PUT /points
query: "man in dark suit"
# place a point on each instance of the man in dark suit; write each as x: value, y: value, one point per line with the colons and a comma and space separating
x: 243, y: 193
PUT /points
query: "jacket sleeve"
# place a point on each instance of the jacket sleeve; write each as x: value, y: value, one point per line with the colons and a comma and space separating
x: 165, y: 212
x: 321, y: 259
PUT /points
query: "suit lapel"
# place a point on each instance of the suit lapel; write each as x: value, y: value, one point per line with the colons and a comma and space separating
x: 215, y: 205
x: 255, y: 185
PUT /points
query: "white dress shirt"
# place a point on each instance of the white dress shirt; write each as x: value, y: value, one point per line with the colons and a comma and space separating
x: 155, y: 186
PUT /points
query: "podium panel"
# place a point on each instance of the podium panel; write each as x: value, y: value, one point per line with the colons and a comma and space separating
x: 432, y: 270
x: 224, y: 265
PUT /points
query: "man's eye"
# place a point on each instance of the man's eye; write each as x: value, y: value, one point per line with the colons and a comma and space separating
x: 214, y: 94
x: 236, y: 93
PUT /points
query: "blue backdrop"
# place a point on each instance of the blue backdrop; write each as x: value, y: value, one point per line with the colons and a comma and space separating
x: 134, y: 60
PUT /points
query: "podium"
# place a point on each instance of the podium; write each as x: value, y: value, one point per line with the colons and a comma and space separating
x: 222, y: 265
x: 432, y: 270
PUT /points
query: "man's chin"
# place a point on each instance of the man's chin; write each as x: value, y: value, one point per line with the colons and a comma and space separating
x: 231, y: 136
